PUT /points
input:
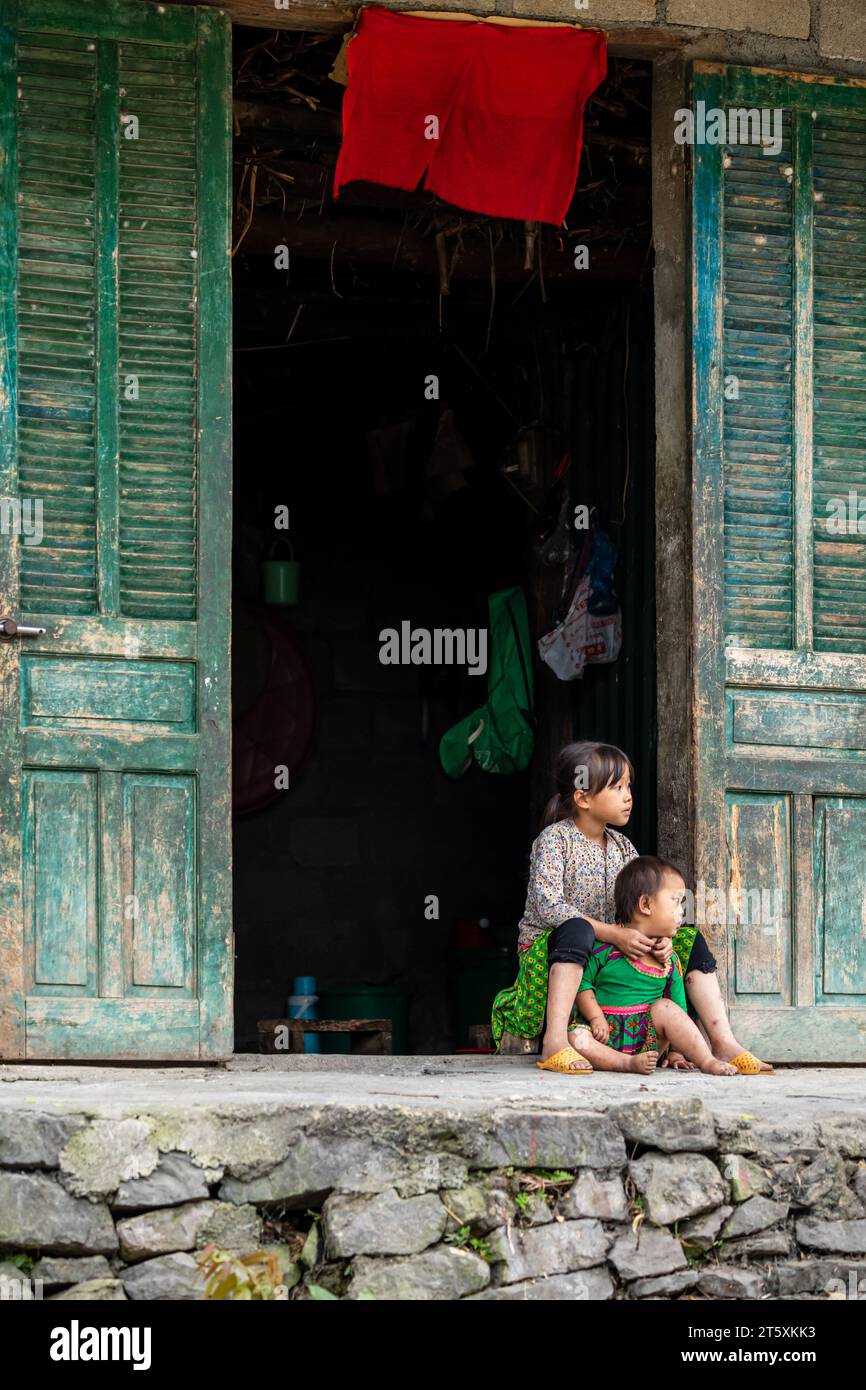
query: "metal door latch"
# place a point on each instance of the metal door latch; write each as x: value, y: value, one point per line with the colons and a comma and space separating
x: 9, y: 628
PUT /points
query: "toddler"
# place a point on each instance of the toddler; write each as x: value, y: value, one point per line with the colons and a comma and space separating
x: 635, y: 1009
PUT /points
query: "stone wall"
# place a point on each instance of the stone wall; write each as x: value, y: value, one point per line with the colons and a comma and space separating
x: 789, y: 33
x: 653, y: 1199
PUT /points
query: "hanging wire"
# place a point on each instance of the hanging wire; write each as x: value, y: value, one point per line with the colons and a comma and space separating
x: 333, y: 282
x: 492, y: 288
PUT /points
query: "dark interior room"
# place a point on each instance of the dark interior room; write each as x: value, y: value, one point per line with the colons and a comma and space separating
x: 429, y: 408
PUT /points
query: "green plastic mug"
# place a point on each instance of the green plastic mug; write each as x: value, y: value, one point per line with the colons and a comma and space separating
x: 280, y: 582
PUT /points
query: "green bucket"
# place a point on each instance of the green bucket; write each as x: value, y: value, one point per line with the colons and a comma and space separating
x: 479, y: 975
x: 366, y: 1001
x: 280, y: 578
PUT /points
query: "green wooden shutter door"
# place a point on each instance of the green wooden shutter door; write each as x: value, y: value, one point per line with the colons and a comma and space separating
x: 115, y: 919
x: 779, y: 267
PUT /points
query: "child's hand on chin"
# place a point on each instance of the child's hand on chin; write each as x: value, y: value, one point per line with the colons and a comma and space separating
x: 633, y: 942
x: 600, y: 1030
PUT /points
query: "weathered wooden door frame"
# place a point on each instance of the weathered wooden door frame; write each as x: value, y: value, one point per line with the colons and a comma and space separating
x: 210, y: 32
x: 673, y: 530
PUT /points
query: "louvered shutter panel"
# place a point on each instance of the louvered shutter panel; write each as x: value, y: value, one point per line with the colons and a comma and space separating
x: 57, y: 331
x: 758, y: 261
x: 762, y: 234
x: 840, y: 380
x: 146, y: 331
x: 157, y: 333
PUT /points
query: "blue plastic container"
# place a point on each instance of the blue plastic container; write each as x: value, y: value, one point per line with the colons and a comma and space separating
x: 303, y: 1002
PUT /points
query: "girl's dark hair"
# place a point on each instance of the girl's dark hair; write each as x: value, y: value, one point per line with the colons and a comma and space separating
x: 599, y: 764
x: 644, y: 875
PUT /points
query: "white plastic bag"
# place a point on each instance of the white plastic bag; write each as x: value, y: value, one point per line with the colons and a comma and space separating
x: 582, y: 638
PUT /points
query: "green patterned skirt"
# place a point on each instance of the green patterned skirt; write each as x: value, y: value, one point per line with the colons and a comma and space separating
x: 520, y: 1008
x: 631, y: 1030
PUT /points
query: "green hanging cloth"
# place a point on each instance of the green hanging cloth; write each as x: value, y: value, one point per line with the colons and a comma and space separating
x: 500, y: 736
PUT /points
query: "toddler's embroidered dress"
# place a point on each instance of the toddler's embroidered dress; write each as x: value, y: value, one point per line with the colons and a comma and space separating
x: 625, y: 989
x: 569, y: 876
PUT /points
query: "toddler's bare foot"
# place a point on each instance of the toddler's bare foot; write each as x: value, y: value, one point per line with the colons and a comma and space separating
x: 642, y: 1062
x: 713, y: 1067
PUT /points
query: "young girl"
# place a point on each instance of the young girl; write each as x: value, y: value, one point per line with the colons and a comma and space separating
x: 634, y: 1009
x: 570, y: 906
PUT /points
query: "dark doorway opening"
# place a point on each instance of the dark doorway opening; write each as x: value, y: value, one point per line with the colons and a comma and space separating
x: 372, y: 868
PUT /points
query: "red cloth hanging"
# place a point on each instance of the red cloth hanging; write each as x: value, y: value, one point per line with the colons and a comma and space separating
x: 508, y: 100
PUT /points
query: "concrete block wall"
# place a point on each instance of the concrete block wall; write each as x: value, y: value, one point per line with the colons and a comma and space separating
x: 813, y: 34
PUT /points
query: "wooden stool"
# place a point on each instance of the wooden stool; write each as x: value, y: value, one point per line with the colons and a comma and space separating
x: 481, y: 1035
x: 512, y: 1046
x: 368, y: 1036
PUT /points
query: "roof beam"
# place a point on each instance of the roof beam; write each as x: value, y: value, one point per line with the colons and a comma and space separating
x: 330, y: 238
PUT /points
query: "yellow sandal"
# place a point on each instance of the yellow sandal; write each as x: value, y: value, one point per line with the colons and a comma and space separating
x: 560, y: 1062
x: 748, y: 1064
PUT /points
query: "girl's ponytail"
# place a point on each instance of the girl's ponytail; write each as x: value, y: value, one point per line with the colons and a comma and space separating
x: 557, y: 808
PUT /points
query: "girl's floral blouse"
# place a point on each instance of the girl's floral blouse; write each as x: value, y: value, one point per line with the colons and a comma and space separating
x: 571, y: 876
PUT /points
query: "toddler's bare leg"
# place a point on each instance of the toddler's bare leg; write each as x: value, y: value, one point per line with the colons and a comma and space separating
x: 673, y: 1026
x: 607, y: 1058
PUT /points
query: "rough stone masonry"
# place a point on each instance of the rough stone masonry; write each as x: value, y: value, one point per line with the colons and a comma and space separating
x: 804, y: 34
x: 676, y: 1187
